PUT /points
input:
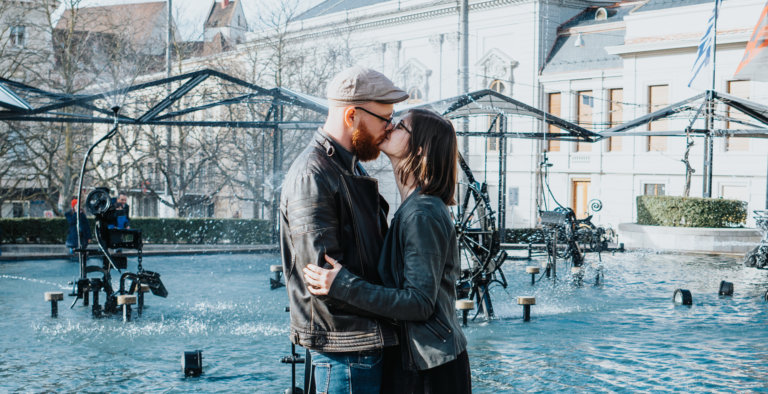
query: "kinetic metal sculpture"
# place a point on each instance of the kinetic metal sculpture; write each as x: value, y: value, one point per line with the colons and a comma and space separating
x: 100, y: 204
x: 758, y: 257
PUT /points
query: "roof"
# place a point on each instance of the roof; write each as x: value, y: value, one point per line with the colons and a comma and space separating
x: 143, y: 18
x: 662, y: 4
x: 566, y: 56
x: 591, y: 54
x: 220, y: 15
x: 588, y: 17
x: 333, y: 6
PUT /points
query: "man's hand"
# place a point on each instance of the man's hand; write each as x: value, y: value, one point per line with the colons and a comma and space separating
x: 318, y: 279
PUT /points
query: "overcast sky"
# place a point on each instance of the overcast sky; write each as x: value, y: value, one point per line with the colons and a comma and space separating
x: 190, y: 14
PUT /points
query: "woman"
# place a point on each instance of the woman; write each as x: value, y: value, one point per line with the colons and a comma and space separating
x: 419, y: 264
x: 85, y: 227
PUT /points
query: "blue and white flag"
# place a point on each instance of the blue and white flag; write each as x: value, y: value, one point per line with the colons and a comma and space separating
x: 706, y: 46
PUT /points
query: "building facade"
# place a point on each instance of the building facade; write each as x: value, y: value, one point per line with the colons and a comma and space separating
x: 595, y: 63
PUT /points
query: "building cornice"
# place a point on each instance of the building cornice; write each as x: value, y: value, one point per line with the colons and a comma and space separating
x: 664, y: 45
x: 343, y: 23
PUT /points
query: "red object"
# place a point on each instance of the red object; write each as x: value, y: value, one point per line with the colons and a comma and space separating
x: 226, y: 4
x: 74, y: 202
x: 753, y: 64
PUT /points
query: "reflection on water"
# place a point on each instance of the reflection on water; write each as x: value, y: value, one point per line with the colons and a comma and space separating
x: 624, y: 335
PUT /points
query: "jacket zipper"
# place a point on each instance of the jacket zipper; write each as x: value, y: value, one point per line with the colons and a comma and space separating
x: 443, y: 325
x: 437, y: 334
x: 363, y: 258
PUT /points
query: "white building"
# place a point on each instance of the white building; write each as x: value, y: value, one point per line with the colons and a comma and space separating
x: 631, y: 56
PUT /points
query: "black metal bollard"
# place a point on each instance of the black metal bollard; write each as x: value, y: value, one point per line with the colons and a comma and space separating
x: 533, y: 271
x: 682, y: 296
x: 54, y: 297
x: 726, y: 288
x: 465, y: 306
x: 192, y: 363
x: 526, y: 302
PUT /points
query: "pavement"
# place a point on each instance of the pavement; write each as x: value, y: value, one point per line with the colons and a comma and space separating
x: 12, y: 252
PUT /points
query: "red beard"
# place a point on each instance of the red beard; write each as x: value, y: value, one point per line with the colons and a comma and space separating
x: 364, y: 145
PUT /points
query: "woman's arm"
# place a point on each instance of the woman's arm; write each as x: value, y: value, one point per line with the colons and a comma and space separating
x: 424, y: 243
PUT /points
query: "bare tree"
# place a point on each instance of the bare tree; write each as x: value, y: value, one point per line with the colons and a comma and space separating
x: 88, y: 50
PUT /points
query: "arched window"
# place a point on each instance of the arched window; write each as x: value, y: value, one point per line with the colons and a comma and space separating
x: 415, y: 95
x: 498, y: 86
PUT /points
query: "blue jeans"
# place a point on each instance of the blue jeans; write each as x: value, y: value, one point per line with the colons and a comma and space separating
x: 349, y: 372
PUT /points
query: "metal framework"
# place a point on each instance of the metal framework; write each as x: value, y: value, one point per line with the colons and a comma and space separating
x: 159, y: 103
x: 20, y: 102
x: 706, y: 107
x: 487, y: 102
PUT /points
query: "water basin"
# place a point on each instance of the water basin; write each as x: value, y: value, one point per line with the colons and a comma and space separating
x: 625, y: 335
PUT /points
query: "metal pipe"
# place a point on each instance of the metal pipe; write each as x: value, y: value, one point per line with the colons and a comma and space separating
x: 464, y: 64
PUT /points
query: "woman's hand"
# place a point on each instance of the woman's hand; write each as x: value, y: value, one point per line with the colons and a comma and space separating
x: 318, y: 279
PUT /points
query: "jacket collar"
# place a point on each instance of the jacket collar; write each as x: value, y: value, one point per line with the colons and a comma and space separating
x: 347, y: 159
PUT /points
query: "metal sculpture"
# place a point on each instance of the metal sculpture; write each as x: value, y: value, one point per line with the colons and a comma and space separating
x: 758, y: 257
x: 479, y: 242
x: 569, y: 239
x: 101, y: 205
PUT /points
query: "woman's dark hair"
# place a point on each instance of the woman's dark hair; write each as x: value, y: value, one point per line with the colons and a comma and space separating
x: 432, y: 155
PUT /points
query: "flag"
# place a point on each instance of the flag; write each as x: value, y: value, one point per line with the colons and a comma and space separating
x: 706, y: 46
x: 754, y: 64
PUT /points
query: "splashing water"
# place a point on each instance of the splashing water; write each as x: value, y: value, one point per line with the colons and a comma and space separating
x: 623, y: 335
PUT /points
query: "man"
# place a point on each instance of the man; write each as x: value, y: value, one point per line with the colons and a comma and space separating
x: 120, y: 218
x: 329, y: 205
x: 122, y: 211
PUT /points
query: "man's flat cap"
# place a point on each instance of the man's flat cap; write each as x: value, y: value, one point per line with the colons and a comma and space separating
x: 358, y: 85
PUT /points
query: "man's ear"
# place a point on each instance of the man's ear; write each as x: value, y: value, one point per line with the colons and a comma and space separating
x: 349, y: 116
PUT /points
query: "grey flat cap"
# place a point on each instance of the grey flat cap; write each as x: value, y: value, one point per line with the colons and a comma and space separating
x: 358, y: 85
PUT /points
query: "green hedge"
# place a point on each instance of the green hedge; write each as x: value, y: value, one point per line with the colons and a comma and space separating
x: 690, y: 211
x: 154, y: 230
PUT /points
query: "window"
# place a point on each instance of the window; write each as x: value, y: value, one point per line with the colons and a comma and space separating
x: 554, y: 109
x: 492, y: 143
x: 584, y: 116
x: 513, y: 196
x: 615, y: 116
x: 17, y: 36
x: 658, y: 97
x: 147, y: 206
x: 415, y: 95
x: 653, y: 189
x: 738, y: 89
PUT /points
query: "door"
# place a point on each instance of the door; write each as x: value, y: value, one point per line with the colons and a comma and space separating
x: 580, y: 195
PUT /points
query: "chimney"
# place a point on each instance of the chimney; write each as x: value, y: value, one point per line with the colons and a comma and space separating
x: 225, y: 4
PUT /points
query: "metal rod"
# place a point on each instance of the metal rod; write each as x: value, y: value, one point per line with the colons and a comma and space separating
x: 464, y: 64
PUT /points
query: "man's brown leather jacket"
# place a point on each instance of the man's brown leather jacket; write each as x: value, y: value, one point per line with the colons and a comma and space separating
x: 327, y: 208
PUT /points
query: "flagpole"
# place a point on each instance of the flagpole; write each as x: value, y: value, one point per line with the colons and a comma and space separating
x: 708, y: 140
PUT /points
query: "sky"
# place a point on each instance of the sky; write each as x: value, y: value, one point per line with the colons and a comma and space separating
x: 190, y: 14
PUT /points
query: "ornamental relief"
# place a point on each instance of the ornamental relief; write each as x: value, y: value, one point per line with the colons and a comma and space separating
x: 414, y: 77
